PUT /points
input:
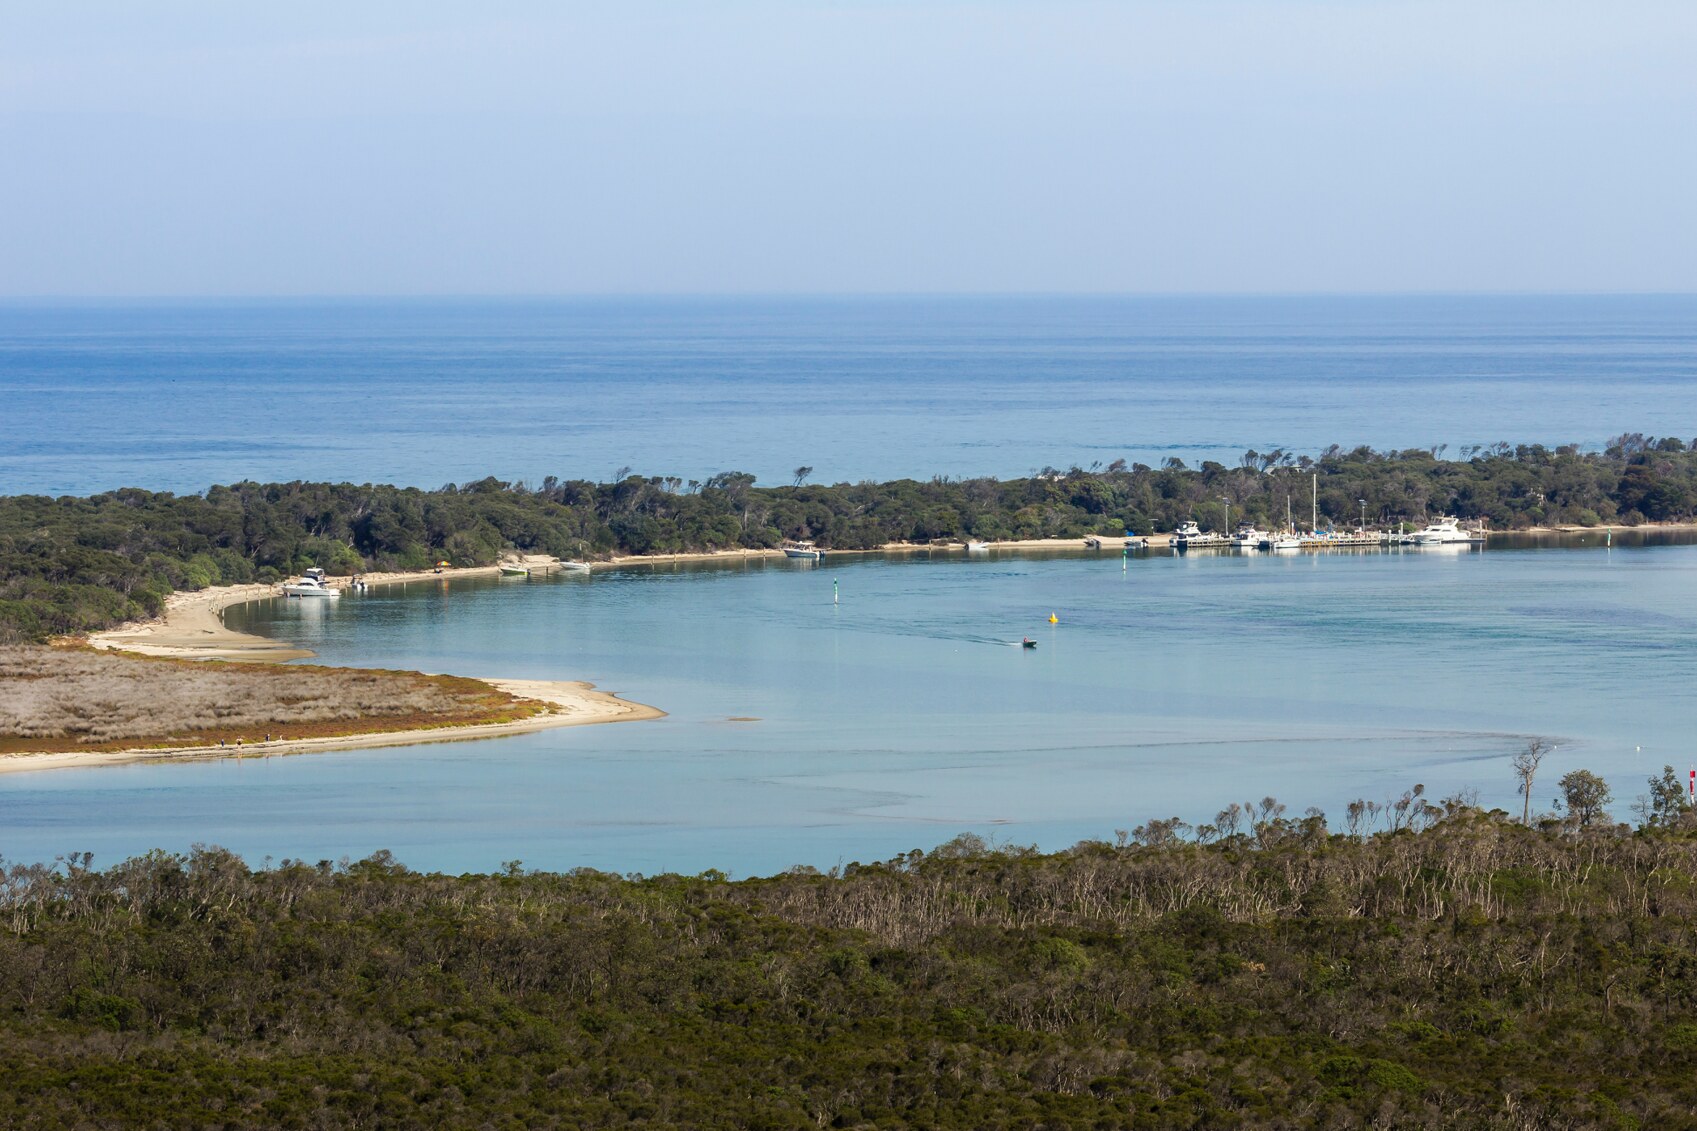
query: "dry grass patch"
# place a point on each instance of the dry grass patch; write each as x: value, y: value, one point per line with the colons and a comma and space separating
x: 63, y: 699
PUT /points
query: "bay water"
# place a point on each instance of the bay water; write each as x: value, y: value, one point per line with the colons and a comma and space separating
x: 874, y: 704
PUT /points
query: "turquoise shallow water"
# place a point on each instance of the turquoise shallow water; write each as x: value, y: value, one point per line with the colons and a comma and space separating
x: 907, y: 713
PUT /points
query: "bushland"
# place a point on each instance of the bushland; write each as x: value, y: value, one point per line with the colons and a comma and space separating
x: 1454, y: 968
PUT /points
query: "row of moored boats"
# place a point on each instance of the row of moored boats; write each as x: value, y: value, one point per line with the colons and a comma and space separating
x: 313, y: 583
x: 1443, y: 532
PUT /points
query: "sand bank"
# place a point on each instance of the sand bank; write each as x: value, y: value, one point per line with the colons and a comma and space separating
x: 571, y: 703
x: 192, y: 626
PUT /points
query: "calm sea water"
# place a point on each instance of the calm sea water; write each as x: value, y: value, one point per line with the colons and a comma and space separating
x: 907, y: 713
x: 177, y: 396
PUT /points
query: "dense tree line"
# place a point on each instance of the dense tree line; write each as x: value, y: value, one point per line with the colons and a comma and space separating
x: 1432, y: 965
x: 74, y: 564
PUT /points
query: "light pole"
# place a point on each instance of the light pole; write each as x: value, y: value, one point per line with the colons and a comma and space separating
x: 1228, y: 503
x: 1363, y: 503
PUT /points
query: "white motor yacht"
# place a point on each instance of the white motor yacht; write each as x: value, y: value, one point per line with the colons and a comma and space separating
x: 1189, y: 534
x: 1247, y: 536
x: 1445, y: 532
x: 804, y: 550
x: 310, y: 585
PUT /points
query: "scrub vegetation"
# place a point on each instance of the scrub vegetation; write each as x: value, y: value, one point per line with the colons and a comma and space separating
x: 71, y: 565
x: 62, y: 699
x: 1432, y: 965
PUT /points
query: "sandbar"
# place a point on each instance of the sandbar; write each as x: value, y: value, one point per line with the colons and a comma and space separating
x: 572, y: 704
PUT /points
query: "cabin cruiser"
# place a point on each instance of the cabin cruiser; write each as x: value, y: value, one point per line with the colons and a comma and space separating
x: 1189, y: 534
x: 311, y: 584
x: 1445, y: 532
x: 804, y: 550
x: 1285, y: 541
x: 1247, y: 536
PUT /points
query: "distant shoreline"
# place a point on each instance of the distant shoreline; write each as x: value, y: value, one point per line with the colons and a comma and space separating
x: 192, y: 626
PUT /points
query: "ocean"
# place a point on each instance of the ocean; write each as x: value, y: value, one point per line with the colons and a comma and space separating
x: 181, y: 395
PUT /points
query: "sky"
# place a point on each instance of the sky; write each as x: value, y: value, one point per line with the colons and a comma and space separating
x: 191, y: 147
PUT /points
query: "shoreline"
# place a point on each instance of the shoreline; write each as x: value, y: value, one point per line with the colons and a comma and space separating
x: 192, y: 626
x: 571, y: 702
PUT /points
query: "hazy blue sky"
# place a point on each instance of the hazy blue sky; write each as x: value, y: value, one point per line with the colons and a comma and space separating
x: 1170, y: 145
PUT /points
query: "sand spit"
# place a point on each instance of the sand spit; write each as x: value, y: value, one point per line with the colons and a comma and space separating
x: 571, y: 703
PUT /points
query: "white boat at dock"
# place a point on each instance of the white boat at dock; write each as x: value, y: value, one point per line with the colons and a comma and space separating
x: 311, y: 584
x: 806, y: 551
x: 1189, y: 535
x: 1445, y: 532
x: 1288, y: 538
x: 1248, y: 536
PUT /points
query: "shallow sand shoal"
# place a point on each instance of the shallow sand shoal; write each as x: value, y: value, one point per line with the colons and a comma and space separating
x: 192, y: 628
x: 571, y: 703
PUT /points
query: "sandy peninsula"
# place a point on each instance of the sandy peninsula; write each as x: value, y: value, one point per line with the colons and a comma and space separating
x: 571, y: 704
x: 192, y: 627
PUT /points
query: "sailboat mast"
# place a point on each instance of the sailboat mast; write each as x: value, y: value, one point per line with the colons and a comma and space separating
x: 1315, y: 525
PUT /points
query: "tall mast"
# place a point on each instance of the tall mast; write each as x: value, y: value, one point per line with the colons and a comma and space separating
x: 1315, y: 525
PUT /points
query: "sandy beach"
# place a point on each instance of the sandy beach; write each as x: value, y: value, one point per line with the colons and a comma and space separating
x: 572, y: 703
x: 192, y: 627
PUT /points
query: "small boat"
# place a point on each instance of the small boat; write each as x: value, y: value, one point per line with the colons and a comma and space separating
x: 311, y: 584
x: 1028, y: 643
x: 575, y: 567
x: 807, y: 551
x: 510, y: 570
x: 977, y: 547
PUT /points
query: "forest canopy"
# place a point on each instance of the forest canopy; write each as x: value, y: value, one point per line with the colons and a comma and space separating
x: 70, y: 565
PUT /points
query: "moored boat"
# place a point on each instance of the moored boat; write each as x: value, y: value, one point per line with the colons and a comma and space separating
x: 1247, y: 536
x: 310, y: 584
x: 1445, y: 532
x: 804, y: 550
x: 1189, y: 534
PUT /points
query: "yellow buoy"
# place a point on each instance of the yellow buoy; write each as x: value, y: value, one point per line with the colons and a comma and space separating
x: 1053, y: 619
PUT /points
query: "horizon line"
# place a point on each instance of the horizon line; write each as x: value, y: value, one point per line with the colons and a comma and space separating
x: 559, y: 296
